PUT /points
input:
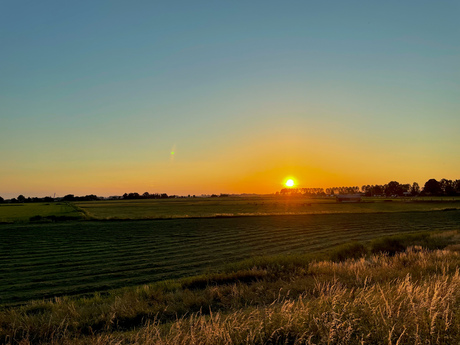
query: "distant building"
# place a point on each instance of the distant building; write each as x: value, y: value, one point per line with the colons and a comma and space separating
x: 348, y: 198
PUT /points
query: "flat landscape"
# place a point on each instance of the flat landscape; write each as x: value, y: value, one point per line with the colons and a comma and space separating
x: 43, y: 260
x: 229, y: 173
x: 253, y: 206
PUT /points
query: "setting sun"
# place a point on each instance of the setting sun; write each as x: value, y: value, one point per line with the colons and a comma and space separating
x: 289, y: 183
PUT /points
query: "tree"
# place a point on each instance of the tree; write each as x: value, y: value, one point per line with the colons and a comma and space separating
x: 457, y: 186
x: 432, y: 187
x: 405, y: 187
x: 134, y: 195
x: 2, y: 200
x: 90, y: 197
x: 415, y: 189
x: 378, y: 189
x: 21, y: 198
x: 393, y: 188
x: 69, y: 197
x: 447, y: 187
x: 366, y: 189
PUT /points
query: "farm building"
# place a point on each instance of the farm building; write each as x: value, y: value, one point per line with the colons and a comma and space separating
x: 348, y: 198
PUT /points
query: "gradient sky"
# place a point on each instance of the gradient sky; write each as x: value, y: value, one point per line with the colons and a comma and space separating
x: 94, y: 95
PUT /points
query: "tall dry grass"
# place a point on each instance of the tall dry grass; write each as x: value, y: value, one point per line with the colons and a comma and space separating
x: 409, y: 298
x: 396, y: 311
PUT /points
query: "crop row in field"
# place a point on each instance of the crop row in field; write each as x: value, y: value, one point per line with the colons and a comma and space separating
x: 46, y: 260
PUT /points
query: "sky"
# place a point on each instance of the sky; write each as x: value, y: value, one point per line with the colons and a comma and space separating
x: 96, y: 95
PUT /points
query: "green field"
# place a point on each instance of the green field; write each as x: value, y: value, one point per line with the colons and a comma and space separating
x: 212, y: 207
x: 400, y: 288
x: 252, y: 206
x: 74, y: 258
x: 23, y: 212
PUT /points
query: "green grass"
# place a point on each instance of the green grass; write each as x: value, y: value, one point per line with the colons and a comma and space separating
x: 411, y: 297
x: 78, y: 258
x: 23, y: 212
x: 212, y: 207
x: 68, y: 262
x: 253, y: 206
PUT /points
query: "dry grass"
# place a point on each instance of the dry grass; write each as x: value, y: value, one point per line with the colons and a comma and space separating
x: 410, y: 298
x: 398, y: 311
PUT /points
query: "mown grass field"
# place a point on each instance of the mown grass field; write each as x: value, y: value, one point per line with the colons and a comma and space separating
x: 74, y: 258
x: 253, y: 206
x: 352, y: 294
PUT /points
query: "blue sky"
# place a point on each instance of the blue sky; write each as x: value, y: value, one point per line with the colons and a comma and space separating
x: 95, y: 94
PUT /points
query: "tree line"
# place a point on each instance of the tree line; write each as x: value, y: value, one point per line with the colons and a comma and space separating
x: 146, y: 195
x: 432, y: 187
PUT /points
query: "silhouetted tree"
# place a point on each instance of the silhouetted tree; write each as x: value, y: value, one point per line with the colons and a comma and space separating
x: 21, y: 198
x: 2, y: 200
x: 447, y: 187
x: 131, y: 196
x: 456, y: 185
x: 378, y: 190
x: 432, y: 187
x: 405, y: 188
x: 69, y: 197
x: 393, y: 188
x: 90, y: 197
x: 415, y: 189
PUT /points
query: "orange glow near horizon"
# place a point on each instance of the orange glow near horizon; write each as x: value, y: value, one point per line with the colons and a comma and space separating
x: 248, y: 167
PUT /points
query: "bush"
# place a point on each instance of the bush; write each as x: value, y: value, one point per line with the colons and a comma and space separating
x: 389, y: 245
x: 354, y: 250
x: 399, y: 243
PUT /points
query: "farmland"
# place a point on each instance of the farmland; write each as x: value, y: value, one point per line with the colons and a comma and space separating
x: 76, y: 258
x: 211, y: 207
x: 352, y: 294
x: 23, y: 212
x: 252, y: 206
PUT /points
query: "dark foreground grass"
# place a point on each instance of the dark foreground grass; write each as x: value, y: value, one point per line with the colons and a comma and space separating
x: 409, y: 297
